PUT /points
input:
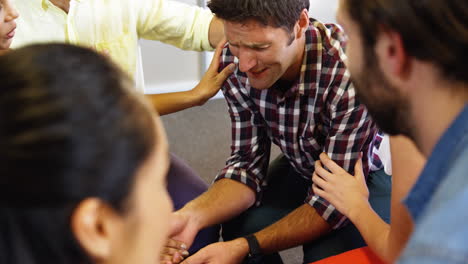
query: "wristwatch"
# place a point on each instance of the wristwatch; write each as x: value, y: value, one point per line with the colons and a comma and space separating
x: 255, y: 255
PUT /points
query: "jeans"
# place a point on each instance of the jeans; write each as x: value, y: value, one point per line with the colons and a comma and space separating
x: 184, y: 185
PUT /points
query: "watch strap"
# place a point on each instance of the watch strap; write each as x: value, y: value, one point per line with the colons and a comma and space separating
x: 254, y: 246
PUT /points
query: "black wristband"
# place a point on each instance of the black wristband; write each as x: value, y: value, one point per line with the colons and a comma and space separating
x: 254, y: 246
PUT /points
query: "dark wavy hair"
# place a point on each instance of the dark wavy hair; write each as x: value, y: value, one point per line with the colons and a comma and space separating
x: 70, y: 129
x: 434, y: 31
x: 276, y: 13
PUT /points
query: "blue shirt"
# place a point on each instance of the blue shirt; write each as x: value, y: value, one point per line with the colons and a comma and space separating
x: 439, y: 163
x: 439, y: 201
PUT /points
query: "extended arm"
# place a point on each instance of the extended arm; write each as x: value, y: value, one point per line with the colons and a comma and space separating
x: 407, y: 164
x: 350, y: 195
x: 225, y: 199
x: 209, y: 85
x: 298, y: 227
x: 185, y: 26
x: 301, y: 225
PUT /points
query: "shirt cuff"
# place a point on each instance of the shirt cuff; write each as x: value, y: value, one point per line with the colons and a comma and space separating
x: 240, y: 175
x: 327, y: 211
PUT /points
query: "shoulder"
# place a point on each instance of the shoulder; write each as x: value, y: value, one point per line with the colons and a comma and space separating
x: 330, y: 35
x: 441, y: 234
x: 325, y: 52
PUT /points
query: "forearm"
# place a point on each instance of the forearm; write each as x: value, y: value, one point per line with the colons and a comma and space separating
x: 374, y: 230
x: 349, y: 195
x: 208, y: 86
x: 298, y: 227
x: 301, y: 225
x: 224, y: 200
x: 407, y: 164
x: 216, y: 31
x: 168, y: 103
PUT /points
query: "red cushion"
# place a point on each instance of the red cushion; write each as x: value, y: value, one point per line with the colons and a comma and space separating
x: 357, y: 256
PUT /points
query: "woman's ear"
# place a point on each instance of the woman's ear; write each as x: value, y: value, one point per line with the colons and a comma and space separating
x: 94, y: 224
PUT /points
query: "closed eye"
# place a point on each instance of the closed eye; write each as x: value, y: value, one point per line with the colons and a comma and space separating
x: 260, y: 48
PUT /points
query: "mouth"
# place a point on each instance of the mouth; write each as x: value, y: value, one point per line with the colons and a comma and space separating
x: 11, y: 34
x: 258, y: 72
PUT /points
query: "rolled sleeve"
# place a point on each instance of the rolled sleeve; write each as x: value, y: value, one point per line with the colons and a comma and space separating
x: 351, y: 132
x: 175, y: 23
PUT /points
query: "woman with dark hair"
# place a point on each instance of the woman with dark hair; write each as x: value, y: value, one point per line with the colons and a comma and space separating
x: 184, y: 184
x: 83, y: 162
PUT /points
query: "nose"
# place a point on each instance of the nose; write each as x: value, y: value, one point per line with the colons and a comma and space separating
x: 247, y: 60
x: 12, y: 13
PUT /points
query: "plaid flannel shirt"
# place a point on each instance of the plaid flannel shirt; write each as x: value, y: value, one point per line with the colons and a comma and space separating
x: 318, y: 113
x: 375, y: 161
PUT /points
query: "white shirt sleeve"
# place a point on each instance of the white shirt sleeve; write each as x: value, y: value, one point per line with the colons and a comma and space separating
x: 175, y: 23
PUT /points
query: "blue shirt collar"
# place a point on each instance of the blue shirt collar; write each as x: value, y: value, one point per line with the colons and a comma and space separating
x: 437, y: 165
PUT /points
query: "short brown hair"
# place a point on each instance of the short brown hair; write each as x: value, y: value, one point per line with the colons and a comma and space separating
x: 276, y: 13
x: 435, y: 31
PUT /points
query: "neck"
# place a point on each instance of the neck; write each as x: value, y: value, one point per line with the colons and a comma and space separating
x: 295, y: 69
x: 433, y: 112
x: 62, y: 4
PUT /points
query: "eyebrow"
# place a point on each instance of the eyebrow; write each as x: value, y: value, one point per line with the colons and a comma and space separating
x: 256, y: 46
x: 252, y: 45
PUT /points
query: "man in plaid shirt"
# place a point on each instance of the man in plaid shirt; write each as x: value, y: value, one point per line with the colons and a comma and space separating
x: 290, y: 87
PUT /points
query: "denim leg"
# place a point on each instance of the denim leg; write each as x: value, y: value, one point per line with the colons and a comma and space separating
x: 184, y: 185
x: 348, y: 237
x: 285, y: 192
